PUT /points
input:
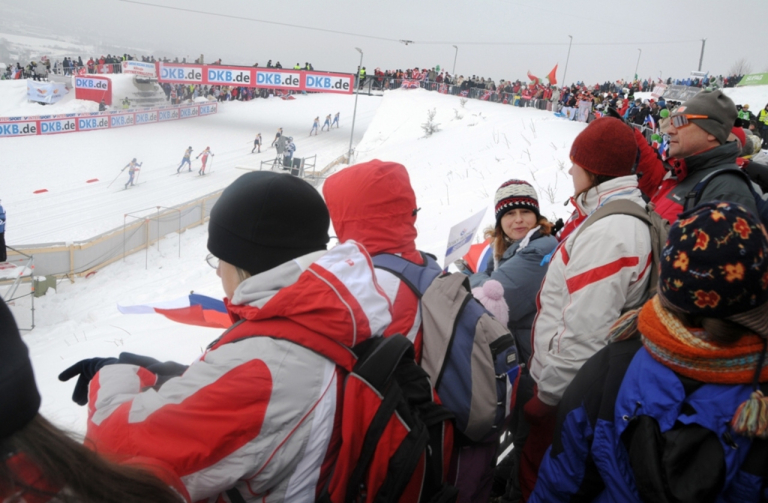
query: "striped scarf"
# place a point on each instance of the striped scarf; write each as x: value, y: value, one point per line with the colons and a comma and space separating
x: 690, y: 351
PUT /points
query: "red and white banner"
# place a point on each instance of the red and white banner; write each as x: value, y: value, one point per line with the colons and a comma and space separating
x: 410, y: 84
x: 140, y: 68
x: 93, y: 88
x: 70, y: 123
x: 243, y: 76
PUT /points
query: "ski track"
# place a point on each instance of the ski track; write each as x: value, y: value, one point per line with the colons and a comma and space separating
x: 73, y: 210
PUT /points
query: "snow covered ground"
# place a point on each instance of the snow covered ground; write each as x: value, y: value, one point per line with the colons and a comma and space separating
x: 455, y: 173
x: 74, y: 210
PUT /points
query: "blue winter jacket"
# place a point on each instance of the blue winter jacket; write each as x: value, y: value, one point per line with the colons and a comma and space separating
x: 520, y: 272
x: 630, y: 429
x: 2, y: 220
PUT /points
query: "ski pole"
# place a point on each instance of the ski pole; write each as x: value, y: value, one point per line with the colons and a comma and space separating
x: 138, y: 172
x: 118, y: 176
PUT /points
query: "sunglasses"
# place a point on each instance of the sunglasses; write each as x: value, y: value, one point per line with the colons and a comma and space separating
x: 680, y: 121
x: 212, y: 261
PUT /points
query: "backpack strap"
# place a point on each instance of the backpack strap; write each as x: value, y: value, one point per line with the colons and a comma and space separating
x: 376, y: 367
x: 617, y: 207
x: 627, y: 207
x: 694, y: 196
x: 417, y: 277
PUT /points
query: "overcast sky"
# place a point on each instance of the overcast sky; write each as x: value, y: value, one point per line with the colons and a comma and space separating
x: 669, y: 33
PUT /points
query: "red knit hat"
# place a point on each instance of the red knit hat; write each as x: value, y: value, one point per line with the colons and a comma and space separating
x: 606, y: 147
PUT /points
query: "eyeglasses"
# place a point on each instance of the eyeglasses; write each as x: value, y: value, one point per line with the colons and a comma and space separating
x: 680, y: 121
x: 212, y: 261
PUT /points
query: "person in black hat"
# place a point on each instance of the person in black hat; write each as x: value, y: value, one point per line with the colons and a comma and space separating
x: 255, y: 415
x: 40, y: 463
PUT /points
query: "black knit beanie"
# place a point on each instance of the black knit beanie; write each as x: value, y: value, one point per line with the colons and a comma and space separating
x: 264, y: 219
x: 19, y: 398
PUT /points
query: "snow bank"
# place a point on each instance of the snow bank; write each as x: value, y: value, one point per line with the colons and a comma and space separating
x: 456, y: 171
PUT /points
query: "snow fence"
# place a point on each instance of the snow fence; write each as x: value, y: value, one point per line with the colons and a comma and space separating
x: 140, y: 230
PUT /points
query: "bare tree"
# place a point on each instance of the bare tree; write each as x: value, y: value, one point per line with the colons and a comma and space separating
x: 741, y: 67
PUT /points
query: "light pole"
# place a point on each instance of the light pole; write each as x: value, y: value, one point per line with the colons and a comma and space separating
x: 566, y: 60
x: 354, y: 114
x: 638, y: 62
x: 454, y: 60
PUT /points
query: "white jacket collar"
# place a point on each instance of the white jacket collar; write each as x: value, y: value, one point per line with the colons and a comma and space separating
x: 621, y: 187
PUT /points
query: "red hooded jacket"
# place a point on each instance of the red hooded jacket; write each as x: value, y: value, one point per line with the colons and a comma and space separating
x: 374, y: 204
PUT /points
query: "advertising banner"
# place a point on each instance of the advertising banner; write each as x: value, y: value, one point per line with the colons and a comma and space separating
x: 58, y: 126
x: 70, y: 123
x: 45, y: 92
x: 243, y: 76
x: 18, y: 129
x: 754, y: 79
x: 140, y: 68
x: 93, y: 88
x: 328, y: 82
x: 180, y: 74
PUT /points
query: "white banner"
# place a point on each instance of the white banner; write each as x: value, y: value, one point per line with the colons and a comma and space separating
x: 45, y: 92
x: 460, y: 237
x: 140, y: 68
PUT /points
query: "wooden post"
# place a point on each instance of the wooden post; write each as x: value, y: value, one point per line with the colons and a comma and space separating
x: 72, y: 263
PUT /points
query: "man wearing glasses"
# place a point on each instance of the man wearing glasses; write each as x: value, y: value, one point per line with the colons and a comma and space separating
x: 698, y: 145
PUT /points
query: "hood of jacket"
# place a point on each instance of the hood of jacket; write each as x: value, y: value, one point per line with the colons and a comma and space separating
x: 374, y: 204
x: 331, y: 295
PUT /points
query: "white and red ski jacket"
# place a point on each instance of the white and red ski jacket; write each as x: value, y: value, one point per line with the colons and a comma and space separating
x: 590, y: 282
x: 374, y: 204
x: 256, y: 415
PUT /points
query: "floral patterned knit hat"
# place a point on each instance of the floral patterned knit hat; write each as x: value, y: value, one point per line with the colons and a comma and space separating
x: 715, y: 262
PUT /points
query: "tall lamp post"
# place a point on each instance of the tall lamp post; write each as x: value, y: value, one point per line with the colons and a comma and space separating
x: 454, y: 60
x: 566, y: 60
x: 638, y: 62
x: 354, y: 114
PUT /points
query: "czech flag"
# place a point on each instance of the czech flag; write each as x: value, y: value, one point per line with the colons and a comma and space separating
x: 651, y: 122
x: 478, y: 256
x: 193, y: 309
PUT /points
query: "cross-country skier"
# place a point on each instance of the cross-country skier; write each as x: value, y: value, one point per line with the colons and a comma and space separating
x: 257, y: 143
x: 336, y: 120
x: 315, y: 125
x: 205, y: 153
x: 186, y: 160
x: 327, y: 123
x: 133, y: 167
x: 277, y: 136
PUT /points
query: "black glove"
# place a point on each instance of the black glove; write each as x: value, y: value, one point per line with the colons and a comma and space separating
x: 163, y: 369
x: 85, y: 369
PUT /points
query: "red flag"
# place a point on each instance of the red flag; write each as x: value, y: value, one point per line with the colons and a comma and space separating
x: 533, y: 78
x: 551, y: 77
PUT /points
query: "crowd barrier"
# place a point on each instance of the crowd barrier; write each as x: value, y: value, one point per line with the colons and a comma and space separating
x: 71, y: 123
x: 146, y: 228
